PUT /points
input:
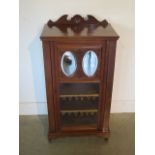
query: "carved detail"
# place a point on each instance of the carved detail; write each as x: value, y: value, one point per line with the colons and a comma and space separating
x: 77, y: 23
x: 61, y: 20
x: 77, y: 19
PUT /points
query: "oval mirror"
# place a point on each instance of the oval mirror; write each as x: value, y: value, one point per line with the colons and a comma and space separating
x: 89, y: 63
x: 68, y: 63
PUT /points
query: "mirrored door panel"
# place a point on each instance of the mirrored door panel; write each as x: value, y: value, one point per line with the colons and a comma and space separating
x: 67, y: 60
x: 89, y: 63
x: 79, y: 62
x: 68, y: 63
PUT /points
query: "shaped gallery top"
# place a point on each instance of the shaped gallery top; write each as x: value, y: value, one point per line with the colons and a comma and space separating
x: 78, y: 28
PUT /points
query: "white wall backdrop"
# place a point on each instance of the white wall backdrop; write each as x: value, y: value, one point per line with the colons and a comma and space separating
x: 35, y: 13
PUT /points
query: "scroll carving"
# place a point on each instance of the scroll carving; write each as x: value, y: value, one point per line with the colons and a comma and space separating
x: 77, y: 23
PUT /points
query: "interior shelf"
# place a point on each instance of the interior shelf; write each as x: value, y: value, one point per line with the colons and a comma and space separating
x: 79, y: 111
x: 79, y: 95
x: 71, y: 104
x: 78, y: 89
x: 76, y: 118
x: 78, y: 103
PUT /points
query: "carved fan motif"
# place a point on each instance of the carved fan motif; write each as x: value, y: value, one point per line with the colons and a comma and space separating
x: 77, y: 23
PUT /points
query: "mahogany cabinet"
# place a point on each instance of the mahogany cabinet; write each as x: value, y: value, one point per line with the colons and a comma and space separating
x: 79, y: 58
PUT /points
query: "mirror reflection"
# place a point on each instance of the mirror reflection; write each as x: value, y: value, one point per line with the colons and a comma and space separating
x: 89, y: 63
x: 68, y: 63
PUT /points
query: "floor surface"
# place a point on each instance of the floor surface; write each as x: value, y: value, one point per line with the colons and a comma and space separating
x: 33, y: 138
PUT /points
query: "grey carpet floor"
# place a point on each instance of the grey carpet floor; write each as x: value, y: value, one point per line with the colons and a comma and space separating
x: 33, y: 138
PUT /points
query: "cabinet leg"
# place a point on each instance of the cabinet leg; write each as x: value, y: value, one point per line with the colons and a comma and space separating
x: 49, y: 139
x: 106, y: 138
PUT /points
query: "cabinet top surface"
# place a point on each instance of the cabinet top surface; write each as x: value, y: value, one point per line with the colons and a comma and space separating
x: 78, y: 27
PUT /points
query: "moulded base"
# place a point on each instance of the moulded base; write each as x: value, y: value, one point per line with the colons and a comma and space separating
x: 104, y: 134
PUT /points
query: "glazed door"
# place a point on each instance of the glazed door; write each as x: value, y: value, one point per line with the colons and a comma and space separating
x: 79, y: 74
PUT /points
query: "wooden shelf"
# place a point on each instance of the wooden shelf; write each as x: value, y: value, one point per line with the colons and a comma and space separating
x: 79, y: 81
x: 78, y: 117
x: 76, y: 105
x: 79, y: 95
x: 80, y: 110
x: 78, y: 89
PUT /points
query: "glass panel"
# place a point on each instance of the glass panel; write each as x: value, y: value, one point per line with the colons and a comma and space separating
x: 89, y: 63
x: 68, y: 63
x: 79, y: 104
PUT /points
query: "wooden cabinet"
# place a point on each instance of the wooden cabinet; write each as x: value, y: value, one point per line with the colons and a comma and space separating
x: 79, y: 58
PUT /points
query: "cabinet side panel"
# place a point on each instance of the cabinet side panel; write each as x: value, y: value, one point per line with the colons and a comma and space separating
x: 49, y: 85
x: 55, y: 64
x: 111, y: 52
x: 102, y: 87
